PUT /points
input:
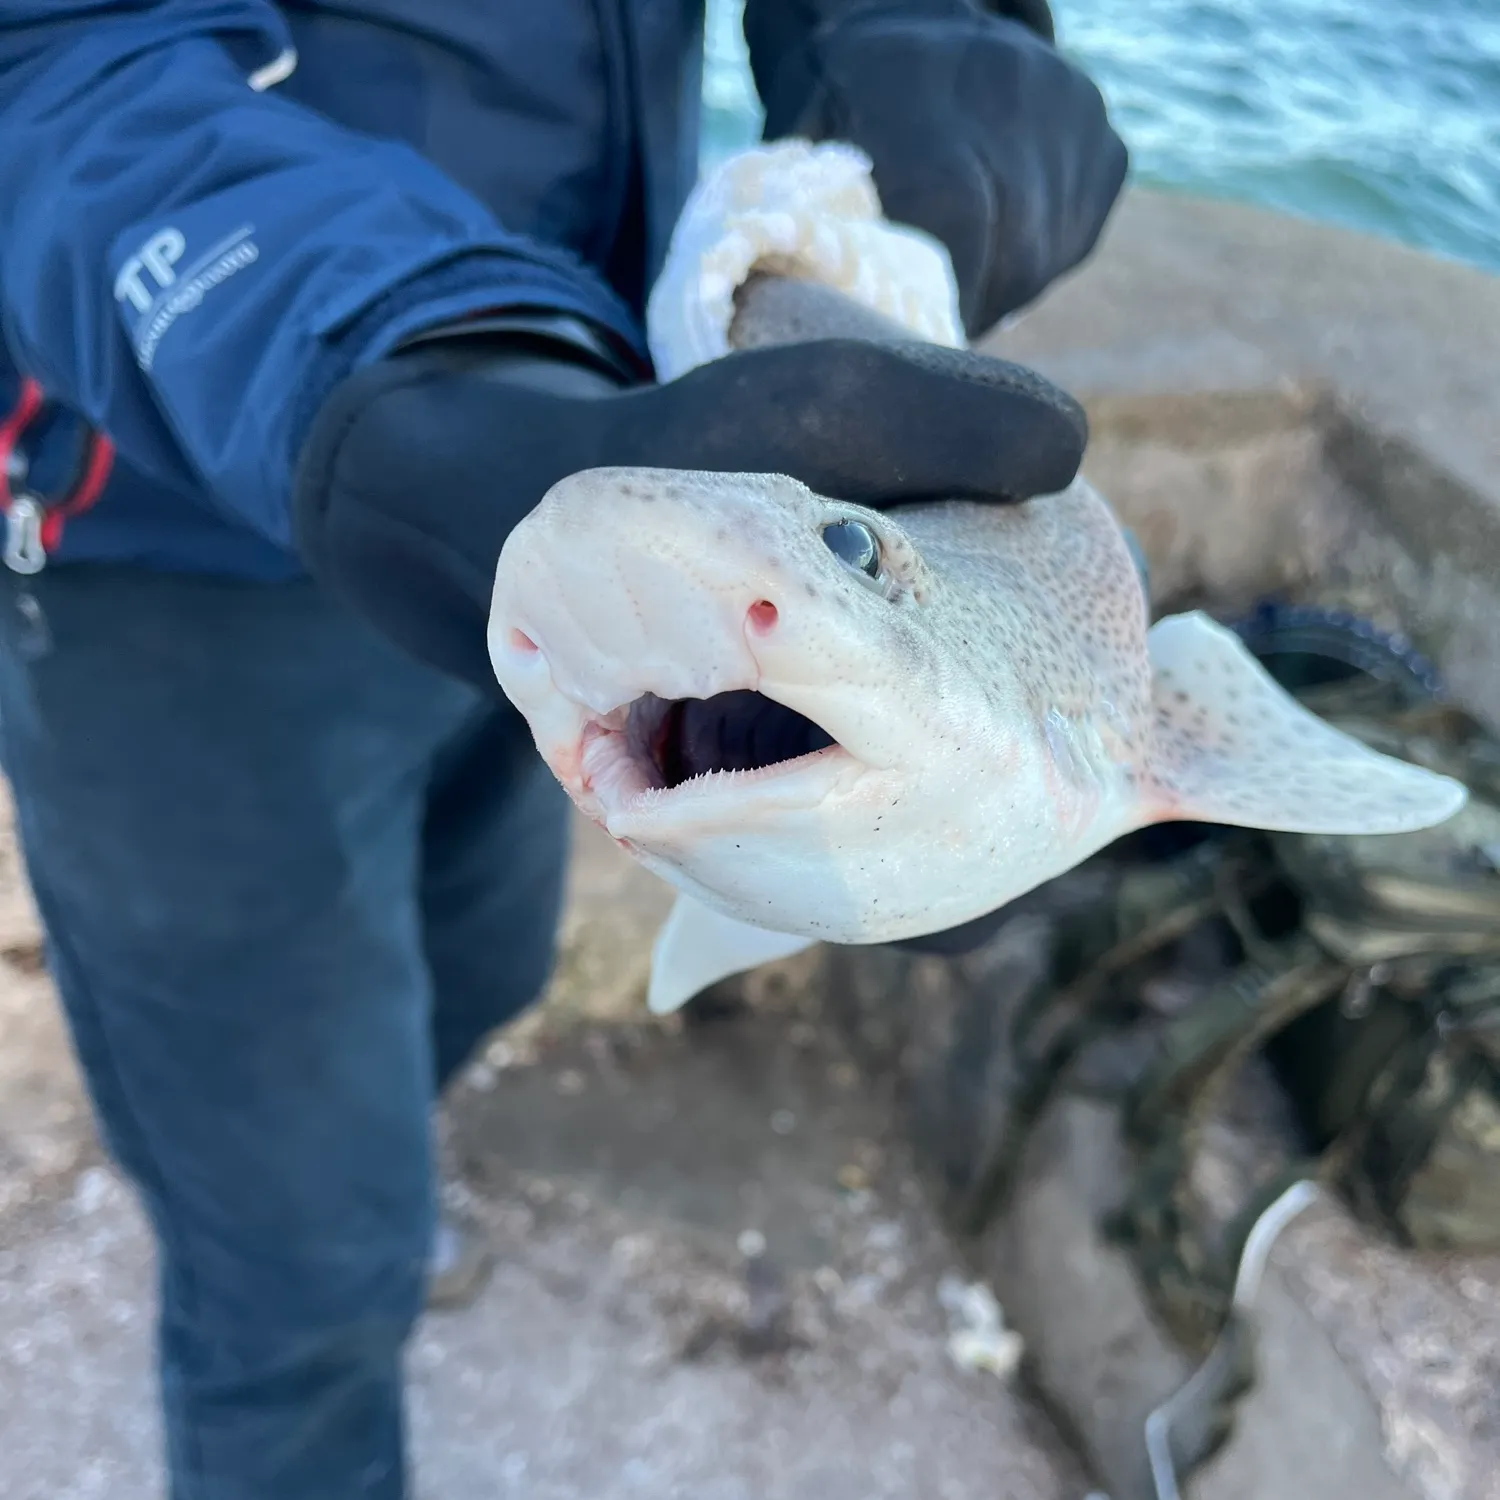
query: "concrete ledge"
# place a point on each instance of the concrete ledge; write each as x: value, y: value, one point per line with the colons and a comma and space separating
x: 1189, y: 295
x: 1287, y: 490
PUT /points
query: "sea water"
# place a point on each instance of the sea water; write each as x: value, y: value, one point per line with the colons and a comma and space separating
x: 1381, y: 115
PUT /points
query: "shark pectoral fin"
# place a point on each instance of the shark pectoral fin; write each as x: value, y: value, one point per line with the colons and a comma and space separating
x: 1233, y: 746
x: 698, y: 946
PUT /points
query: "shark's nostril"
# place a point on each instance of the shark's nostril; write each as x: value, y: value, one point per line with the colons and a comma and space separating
x: 520, y: 641
x: 762, y: 617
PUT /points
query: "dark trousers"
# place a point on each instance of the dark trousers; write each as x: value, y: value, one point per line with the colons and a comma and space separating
x: 288, y: 879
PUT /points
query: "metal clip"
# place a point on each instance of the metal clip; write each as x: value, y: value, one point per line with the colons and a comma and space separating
x: 1191, y: 1405
x: 24, y: 552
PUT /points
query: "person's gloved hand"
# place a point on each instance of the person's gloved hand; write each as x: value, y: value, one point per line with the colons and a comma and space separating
x: 980, y: 131
x: 418, y: 466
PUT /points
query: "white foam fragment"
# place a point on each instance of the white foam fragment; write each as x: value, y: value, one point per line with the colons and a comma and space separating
x: 800, y: 210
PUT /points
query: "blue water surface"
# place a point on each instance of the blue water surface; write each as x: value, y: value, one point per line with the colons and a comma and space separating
x: 1380, y: 115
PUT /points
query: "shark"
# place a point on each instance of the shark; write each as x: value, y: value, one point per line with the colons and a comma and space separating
x: 821, y: 722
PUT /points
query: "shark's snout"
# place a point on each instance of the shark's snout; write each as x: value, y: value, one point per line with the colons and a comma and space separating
x: 678, y: 658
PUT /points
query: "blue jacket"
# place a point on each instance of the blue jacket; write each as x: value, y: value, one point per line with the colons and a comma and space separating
x: 212, y: 210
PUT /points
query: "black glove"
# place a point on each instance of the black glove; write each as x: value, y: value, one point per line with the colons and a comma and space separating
x: 418, y: 466
x: 980, y: 131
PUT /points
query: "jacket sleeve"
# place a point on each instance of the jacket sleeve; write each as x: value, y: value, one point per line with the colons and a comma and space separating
x: 192, y: 262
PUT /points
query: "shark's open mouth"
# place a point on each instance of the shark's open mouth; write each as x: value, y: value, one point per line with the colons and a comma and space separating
x: 680, y: 739
x: 741, y: 738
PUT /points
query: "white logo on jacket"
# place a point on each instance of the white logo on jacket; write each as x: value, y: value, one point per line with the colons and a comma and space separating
x: 176, y: 292
x: 156, y: 258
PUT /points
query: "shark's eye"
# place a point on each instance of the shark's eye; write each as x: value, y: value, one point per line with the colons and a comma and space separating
x: 854, y: 544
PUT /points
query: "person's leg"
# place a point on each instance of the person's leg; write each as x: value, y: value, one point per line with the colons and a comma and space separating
x: 494, y: 856
x: 495, y: 847
x: 220, y: 792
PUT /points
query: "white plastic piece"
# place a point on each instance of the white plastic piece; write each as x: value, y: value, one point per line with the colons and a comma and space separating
x: 978, y: 1338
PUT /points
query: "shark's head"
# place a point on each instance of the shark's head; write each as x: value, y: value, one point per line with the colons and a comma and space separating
x: 738, y: 680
